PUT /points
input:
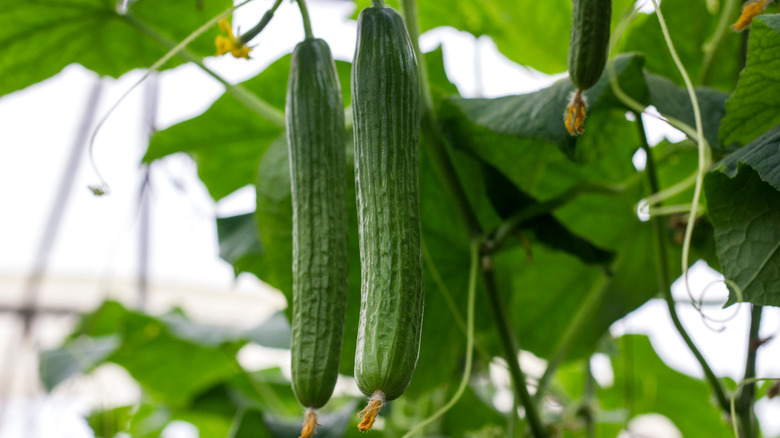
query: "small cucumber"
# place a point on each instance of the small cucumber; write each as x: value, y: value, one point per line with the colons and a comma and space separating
x: 386, y: 113
x: 589, y: 41
x: 588, y: 49
x: 316, y: 142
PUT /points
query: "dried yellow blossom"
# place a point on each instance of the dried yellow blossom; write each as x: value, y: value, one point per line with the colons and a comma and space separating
x: 749, y: 11
x: 575, y: 113
x: 230, y: 43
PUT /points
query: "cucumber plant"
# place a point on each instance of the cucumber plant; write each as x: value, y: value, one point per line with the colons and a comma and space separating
x: 588, y: 49
x: 386, y: 113
x: 316, y: 142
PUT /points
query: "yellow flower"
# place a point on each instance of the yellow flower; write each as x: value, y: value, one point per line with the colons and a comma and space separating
x: 750, y: 10
x: 575, y: 113
x: 230, y: 43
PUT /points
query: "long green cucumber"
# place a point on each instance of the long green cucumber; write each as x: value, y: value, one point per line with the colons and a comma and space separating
x: 386, y: 113
x: 316, y: 142
x: 589, y: 41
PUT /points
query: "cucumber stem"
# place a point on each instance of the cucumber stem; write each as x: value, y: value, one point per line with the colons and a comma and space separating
x: 253, y: 32
x: 306, y: 20
x: 378, y: 3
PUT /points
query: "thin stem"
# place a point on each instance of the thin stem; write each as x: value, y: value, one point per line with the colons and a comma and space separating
x: 249, y: 99
x: 306, y: 20
x: 747, y: 395
x: 664, y: 277
x: 378, y: 3
x: 703, y: 148
x: 732, y: 402
x: 711, y: 46
x: 253, y: 32
x: 511, y: 348
x: 474, y: 265
x: 589, y: 396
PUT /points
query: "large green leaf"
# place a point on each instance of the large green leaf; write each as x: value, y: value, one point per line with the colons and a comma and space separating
x: 538, y: 116
x: 76, y: 357
x: 755, y: 105
x: 228, y: 139
x: 532, y: 33
x: 41, y: 37
x: 656, y: 388
x: 691, y: 26
x: 170, y: 356
x: 743, y: 195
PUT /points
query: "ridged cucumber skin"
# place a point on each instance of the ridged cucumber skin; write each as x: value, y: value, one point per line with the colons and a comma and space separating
x: 589, y: 42
x: 316, y: 144
x: 386, y: 113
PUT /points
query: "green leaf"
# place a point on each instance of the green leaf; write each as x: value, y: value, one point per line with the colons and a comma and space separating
x: 76, y: 357
x: 672, y: 100
x: 755, y: 105
x: 273, y: 333
x: 656, y: 388
x: 40, y: 38
x: 691, y: 26
x: 743, y: 194
x: 228, y: 139
x: 538, y: 117
x: 107, y: 423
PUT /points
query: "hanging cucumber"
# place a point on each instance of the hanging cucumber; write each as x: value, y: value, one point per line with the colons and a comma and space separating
x: 386, y: 112
x: 588, y: 49
x: 316, y: 141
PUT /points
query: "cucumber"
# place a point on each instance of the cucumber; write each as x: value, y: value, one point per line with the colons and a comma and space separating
x: 386, y: 113
x: 589, y: 42
x: 588, y: 49
x: 316, y: 144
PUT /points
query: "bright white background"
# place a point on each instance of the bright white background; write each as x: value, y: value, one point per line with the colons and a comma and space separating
x: 96, y: 252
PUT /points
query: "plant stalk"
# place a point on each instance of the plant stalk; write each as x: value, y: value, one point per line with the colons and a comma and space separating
x: 747, y: 395
x: 306, y: 20
x: 511, y: 348
x: 664, y: 277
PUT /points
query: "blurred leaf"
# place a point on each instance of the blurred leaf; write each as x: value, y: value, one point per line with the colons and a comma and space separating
x: 170, y: 368
x: 149, y: 420
x: 672, y: 100
x: 437, y: 76
x: 743, y: 195
x: 538, y: 116
x: 75, y: 357
x: 532, y: 33
x: 274, y: 332
x: 40, y: 38
x: 656, y: 388
x: 690, y: 27
x: 755, y: 105
x: 228, y: 139
x: 470, y: 415
x: 109, y: 422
